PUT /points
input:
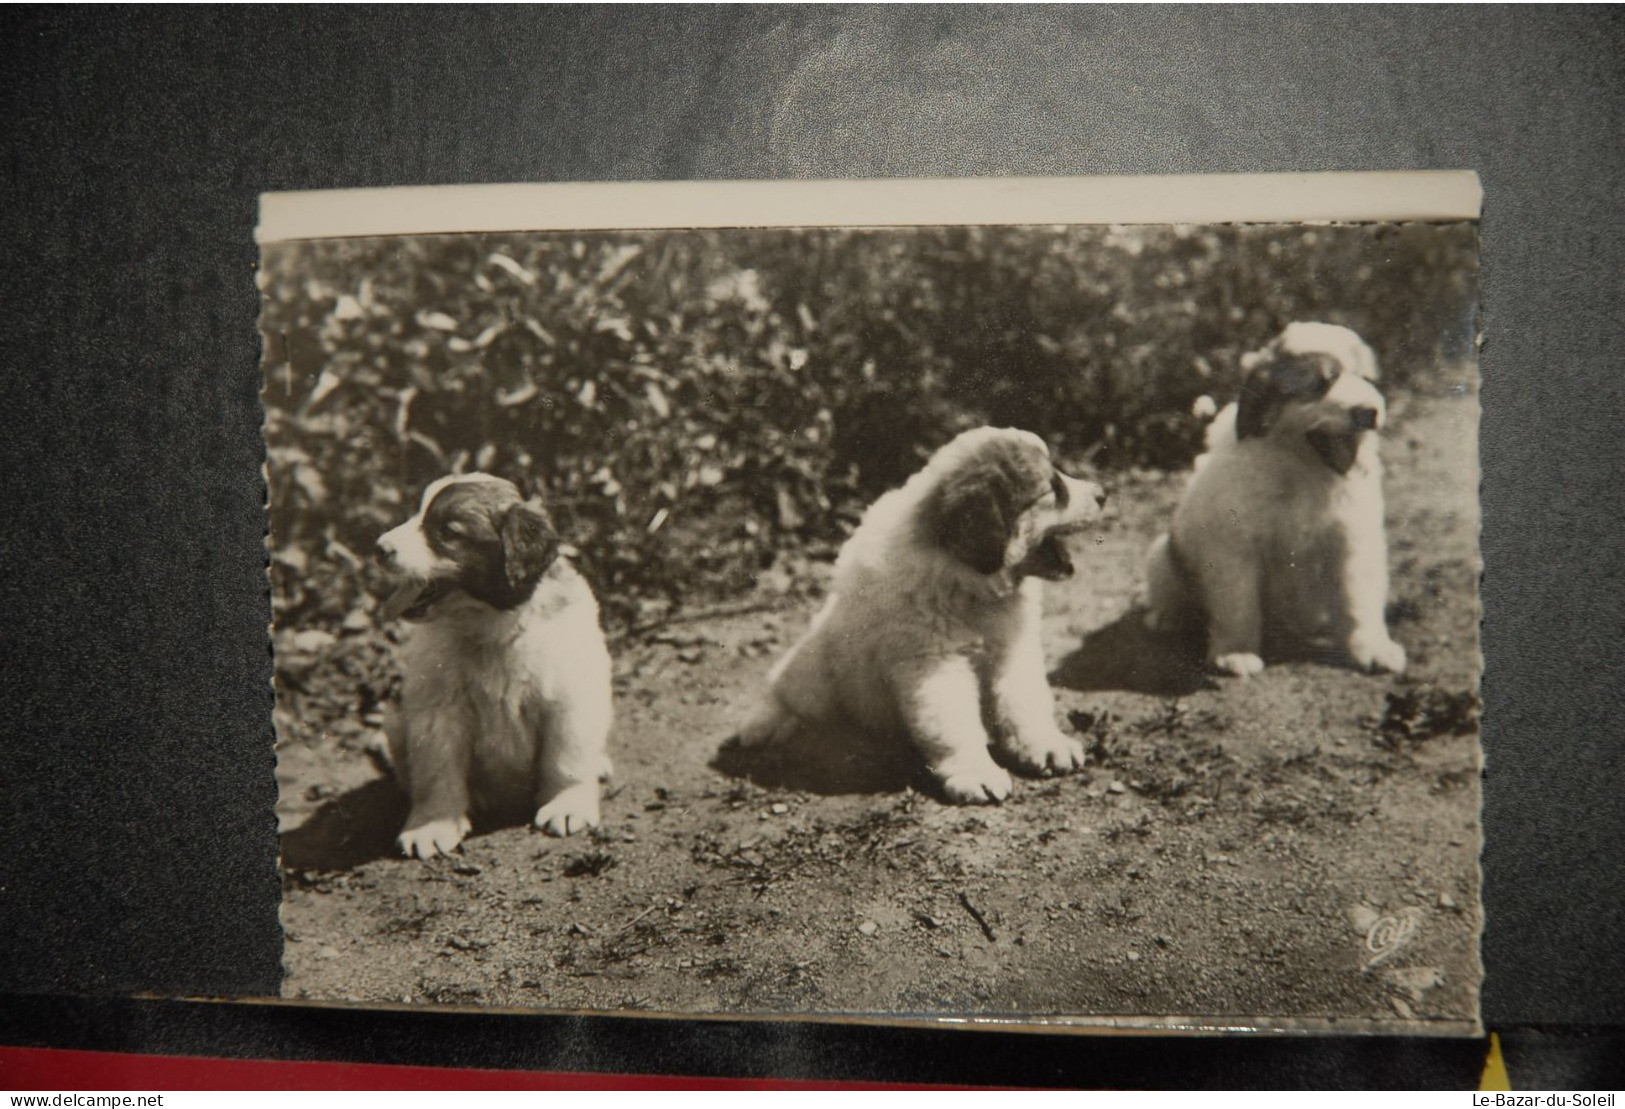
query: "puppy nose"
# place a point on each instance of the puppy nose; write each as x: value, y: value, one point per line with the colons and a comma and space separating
x: 1363, y: 418
x: 384, y: 549
x: 1100, y: 497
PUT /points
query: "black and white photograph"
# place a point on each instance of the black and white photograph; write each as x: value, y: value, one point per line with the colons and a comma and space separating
x: 1005, y: 620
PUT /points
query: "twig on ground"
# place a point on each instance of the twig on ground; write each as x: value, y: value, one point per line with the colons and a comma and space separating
x: 976, y: 915
x: 627, y: 927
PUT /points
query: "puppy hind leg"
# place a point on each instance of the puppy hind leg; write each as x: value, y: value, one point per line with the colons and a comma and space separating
x: 1165, y: 598
x: 940, y: 702
x: 572, y: 761
x: 770, y: 723
x: 433, y: 758
x: 1234, y: 606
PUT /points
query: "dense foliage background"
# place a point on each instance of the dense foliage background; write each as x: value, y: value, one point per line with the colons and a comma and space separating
x: 699, y: 405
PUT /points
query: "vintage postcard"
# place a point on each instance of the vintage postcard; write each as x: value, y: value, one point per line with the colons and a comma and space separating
x: 1035, y: 602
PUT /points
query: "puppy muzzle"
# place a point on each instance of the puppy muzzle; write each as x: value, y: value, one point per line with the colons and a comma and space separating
x: 404, y: 552
x: 1083, y: 503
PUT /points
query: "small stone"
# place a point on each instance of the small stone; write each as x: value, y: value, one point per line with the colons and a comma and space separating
x: 1133, y: 956
x: 868, y: 928
x: 1116, y: 787
x: 1446, y: 901
x: 780, y: 809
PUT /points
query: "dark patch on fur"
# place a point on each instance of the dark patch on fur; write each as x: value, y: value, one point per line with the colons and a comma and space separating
x: 1270, y: 387
x: 1337, y: 449
x: 1063, y: 495
x: 974, y: 512
x: 500, y: 544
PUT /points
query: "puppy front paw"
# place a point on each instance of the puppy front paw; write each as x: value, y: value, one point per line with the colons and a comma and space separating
x: 1241, y: 664
x: 974, y: 782
x: 1052, y: 752
x: 437, y: 837
x: 1377, y: 654
x: 573, y: 810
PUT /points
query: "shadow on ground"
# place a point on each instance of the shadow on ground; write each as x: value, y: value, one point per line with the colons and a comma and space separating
x: 823, y: 761
x: 1126, y: 655
x: 354, y: 828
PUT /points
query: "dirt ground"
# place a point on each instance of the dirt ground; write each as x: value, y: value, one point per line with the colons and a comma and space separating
x: 1302, y: 846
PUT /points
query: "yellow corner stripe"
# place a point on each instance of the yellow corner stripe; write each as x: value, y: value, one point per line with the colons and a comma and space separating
x: 1495, y: 1068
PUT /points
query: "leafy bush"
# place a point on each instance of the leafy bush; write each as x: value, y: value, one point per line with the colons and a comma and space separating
x: 695, y: 404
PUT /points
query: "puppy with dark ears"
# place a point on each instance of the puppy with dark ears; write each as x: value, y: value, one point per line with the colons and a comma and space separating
x: 506, y: 700
x: 931, y: 631
x: 1279, y: 538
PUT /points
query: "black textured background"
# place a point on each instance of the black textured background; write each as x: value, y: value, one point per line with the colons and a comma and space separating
x: 136, y: 832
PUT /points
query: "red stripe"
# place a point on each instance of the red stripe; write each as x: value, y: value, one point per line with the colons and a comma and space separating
x: 50, y: 1070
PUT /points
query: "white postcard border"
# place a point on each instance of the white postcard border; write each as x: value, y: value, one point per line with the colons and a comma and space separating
x: 1429, y: 196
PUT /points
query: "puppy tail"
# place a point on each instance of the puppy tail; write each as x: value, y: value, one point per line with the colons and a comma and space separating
x: 1164, y: 586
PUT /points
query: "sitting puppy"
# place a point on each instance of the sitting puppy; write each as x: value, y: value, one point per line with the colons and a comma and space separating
x: 932, y: 628
x: 1279, y: 535
x: 505, y: 704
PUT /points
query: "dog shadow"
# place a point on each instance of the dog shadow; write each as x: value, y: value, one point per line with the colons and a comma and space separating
x: 352, y: 829
x: 822, y: 761
x: 1126, y: 655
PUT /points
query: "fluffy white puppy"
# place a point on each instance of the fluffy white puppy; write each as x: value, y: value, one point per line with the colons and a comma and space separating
x: 931, y: 630
x: 1278, y: 542
x: 505, y: 702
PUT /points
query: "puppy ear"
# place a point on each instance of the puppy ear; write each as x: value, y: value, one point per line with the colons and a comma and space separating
x: 972, y: 523
x: 1277, y: 382
x: 529, y: 546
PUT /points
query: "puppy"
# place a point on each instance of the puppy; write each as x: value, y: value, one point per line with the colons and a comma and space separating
x: 932, y: 628
x: 506, y: 703
x: 1278, y: 541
